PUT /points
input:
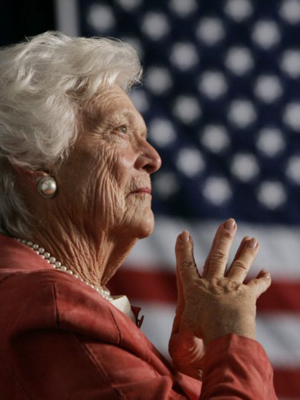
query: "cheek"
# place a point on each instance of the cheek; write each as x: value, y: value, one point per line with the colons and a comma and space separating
x: 108, y: 189
x: 102, y: 176
x: 119, y: 167
x: 121, y: 172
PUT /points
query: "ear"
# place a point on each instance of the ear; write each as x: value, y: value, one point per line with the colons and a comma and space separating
x: 28, y: 176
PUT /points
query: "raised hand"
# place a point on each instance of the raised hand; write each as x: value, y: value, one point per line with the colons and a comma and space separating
x: 218, y: 302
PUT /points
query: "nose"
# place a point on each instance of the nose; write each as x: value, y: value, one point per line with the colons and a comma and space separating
x: 148, y: 159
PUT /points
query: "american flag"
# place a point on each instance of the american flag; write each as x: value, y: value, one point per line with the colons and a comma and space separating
x: 221, y: 98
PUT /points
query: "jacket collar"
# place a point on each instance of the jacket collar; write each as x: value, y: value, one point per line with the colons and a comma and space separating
x: 16, y: 256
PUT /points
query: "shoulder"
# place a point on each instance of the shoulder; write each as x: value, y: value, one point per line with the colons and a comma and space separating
x: 48, y: 299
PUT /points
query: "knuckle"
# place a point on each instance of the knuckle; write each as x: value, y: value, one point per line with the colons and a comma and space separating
x: 241, y: 265
x: 231, y: 286
x: 217, y: 286
x: 186, y: 269
x: 227, y: 234
x: 186, y: 264
x: 256, y: 283
x: 250, y: 250
x: 217, y: 257
x: 238, y: 287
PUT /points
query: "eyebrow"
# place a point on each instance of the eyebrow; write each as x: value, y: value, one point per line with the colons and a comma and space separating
x: 145, y: 134
x: 130, y: 115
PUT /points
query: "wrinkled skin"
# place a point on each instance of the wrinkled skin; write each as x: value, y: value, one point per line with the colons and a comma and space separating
x: 103, y: 203
x: 103, y: 206
x: 117, y: 160
x: 215, y: 303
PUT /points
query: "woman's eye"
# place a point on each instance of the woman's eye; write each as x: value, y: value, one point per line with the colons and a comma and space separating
x: 122, y: 129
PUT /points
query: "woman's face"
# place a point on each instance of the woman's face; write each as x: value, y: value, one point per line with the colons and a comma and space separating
x: 105, y: 182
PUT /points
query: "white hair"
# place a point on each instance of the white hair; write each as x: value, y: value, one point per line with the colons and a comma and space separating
x: 43, y: 83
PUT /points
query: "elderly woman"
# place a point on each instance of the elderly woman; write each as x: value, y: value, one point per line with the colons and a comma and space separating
x: 75, y: 196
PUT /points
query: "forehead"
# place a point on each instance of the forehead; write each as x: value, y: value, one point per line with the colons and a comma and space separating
x: 114, y: 100
x: 111, y: 104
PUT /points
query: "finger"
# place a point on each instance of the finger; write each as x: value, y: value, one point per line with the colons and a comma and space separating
x: 212, y: 248
x: 260, y: 284
x: 213, y: 245
x: 243, y: 262
x: 180, y: 303
x: 186, y: 266
x: 238, y: 253
x: 216, y: 262
x: 184, y: 256
x: 261, y: 273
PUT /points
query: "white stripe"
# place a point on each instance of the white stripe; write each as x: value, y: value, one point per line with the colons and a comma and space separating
x: 67, y: 19
x: 279, y: 246
x: 278, y: 334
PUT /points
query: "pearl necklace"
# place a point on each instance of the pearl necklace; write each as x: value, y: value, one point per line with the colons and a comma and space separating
x: 103, y: 291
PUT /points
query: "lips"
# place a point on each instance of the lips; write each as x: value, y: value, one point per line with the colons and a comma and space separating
x: 142, y: 190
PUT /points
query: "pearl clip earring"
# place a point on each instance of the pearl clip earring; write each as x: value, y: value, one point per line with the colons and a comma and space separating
x: 47, y: 187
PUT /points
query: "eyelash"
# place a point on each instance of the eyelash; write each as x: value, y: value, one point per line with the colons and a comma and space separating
x: 122, y: 129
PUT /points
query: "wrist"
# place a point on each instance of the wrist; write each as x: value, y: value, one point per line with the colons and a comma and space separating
x: 239, y: 326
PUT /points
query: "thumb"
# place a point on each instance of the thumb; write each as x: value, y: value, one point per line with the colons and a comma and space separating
x: 186, y: 266
x: 180, y: 297
x: 261, y: 283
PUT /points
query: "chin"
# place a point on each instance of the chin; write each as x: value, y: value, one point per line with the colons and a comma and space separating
x: 145, y: 233
x: 139, y: 225
x: 145, y: 226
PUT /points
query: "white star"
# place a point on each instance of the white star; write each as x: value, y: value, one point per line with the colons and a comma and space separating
x: 216, y: 190
x: 129, y: 5
x: 140, y: 100
x: 158, y: 80
x: 210, y: 31
x: 238, y: 10
x: 183, y: 8
x: 239, y: 60
x: 291, y: 116
x: 290, y: 63
x: 271, y: 194
x: 212, y: 84
x: 215, y: 138
x: 242, y: 113
x: 290, y: 11
x: 270, y: 141
x: 135, y: 43
x: 266, y: 34
x: 162, y: 132
x: 165, y: 184
x: 155, y: 25
x: 268, y: 88
x: 187, y: 109
x: 244, y: 167
x: 190, y: 162
x: 101, y: 17
x: 293, y: 169
x: 184, y: 56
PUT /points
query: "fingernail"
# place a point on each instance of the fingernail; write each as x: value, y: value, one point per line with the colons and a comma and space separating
x: 253, y: 243
x: 185, y: 236
x: 230, y: 225
x: 265, y: 273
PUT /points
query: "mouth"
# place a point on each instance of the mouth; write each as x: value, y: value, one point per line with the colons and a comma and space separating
x: 144, y: 190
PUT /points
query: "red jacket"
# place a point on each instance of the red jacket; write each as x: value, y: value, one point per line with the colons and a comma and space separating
x: 59, y: 340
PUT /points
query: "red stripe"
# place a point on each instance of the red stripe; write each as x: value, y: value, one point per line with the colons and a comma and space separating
x: 160, y: 286
x: 281, y: 296
x: 287, y: 383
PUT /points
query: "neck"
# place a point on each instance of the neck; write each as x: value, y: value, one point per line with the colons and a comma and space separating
x: 94, y: 258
